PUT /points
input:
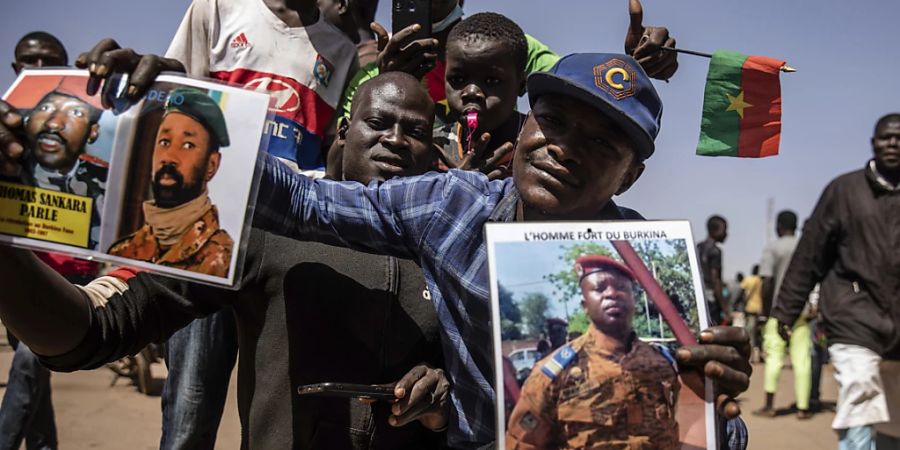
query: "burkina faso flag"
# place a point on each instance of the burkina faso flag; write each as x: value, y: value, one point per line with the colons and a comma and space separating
x: 741, y: 106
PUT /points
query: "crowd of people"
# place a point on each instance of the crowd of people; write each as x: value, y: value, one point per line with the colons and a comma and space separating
x: 367, y: 241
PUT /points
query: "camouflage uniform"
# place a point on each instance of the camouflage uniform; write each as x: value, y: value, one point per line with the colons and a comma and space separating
x: 584, y: 396
x: 204, y: 248
x: 87, y: 179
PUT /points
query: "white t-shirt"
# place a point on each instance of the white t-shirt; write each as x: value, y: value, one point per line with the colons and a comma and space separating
x: 304, y: 69
x: 776, y: 258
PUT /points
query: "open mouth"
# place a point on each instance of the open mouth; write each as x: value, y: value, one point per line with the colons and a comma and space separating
x: 50, y: 142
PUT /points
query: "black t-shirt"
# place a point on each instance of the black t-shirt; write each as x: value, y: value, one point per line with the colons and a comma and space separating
x: 306, y: 313
x: 710, y: 259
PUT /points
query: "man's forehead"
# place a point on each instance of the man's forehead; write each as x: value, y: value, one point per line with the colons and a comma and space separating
x: 393, y: 103
x: 64, y: 100
x: 37, y: 46
x: 892, y: 125
x: 176, y: 121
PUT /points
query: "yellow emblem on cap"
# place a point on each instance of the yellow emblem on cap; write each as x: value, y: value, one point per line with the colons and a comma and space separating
x: 616, y: 78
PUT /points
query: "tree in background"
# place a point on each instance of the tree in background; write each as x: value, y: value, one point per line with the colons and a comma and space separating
x: 510, y: 316
x: 672, y: 269
x: 534, y: 309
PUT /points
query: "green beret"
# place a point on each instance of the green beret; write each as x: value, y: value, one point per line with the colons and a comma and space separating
x: 202, y: 108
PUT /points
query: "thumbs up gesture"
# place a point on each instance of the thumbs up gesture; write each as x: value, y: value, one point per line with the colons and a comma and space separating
x: 643, y: 44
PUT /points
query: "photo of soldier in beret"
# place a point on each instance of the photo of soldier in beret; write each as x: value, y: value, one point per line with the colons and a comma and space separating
x: 630, y: 309
x: 181, y: 225
x: 58, y: 130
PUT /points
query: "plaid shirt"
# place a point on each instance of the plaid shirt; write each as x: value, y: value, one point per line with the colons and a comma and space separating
x: 437, y: 220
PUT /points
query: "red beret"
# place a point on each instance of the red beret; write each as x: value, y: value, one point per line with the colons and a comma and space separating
x: 588, y: 264
x: 77, y: 87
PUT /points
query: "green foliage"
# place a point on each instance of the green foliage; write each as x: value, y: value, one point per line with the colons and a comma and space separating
x: 566, y: 281
x: 534, y: 309
x: 579, y: 322
x: 510, y: 316
x: 672, y: 270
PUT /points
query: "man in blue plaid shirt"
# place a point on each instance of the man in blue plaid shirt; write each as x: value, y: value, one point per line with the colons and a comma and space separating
x: 593, y: 123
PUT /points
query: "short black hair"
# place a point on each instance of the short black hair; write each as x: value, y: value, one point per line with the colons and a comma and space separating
x: 45, y: 37
x: 93, y: 112
x: 786, y: 220
x: 755, y: 270
x: 892, y: 117
x: 493, y: 26
x: 363, y: 10
x: 715, y: 223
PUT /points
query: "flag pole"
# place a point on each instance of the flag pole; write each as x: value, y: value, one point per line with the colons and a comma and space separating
x: 785, y: 68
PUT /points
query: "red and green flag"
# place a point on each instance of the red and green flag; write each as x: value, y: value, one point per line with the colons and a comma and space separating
x: 741, y: 106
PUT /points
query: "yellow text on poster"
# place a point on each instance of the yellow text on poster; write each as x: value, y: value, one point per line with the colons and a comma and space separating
x: 43, y: 214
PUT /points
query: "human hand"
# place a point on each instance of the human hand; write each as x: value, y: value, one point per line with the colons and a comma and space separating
x: 644, y: 43
x: 784, y: 330
x: 724, y: 356
x: 495, y: 164
x: 423, y: 394
x: 11, y: 147
x: 108, y: 58
x: 401, y: 53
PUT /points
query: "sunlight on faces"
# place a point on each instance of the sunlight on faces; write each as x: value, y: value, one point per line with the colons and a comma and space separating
x: 482, y: 76
x: 58, y: 129
x: 608, y: 300
x: 182, y: 161
x: 571, y: 159
x: 390, y: 131
x: 886, y: 144
x: 34, y: 53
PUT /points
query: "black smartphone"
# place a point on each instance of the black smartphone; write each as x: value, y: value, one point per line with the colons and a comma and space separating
x: 349, y: 390
x: 407, y: 12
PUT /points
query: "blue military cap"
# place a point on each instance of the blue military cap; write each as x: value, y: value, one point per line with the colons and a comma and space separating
x: 615, y: 84
x: 201, y: 107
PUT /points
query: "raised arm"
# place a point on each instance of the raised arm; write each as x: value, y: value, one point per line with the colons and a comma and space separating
x: 39, y: 306
x: 387, y: 218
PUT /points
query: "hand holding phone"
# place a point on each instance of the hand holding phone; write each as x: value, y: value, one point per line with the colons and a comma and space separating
x: 411, y: 49
x: 349, y: 390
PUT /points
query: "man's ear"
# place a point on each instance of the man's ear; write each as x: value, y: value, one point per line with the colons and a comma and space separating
x: 343, y: 7
x: 16, y: 67
x: 94, y: 133
x: 343, y: 126
x: 212, y: 166
x: 635, y: 170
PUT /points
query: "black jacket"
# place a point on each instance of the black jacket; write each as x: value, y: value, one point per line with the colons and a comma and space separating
x: 851, y: 244
x: 306, y: 313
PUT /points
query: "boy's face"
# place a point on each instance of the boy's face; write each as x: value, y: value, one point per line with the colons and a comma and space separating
x: 570, y: 159
x: 482, y: 76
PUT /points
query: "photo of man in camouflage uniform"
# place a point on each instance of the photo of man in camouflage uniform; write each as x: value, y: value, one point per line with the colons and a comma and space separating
x: 181, y: 226
x: 606, y: 389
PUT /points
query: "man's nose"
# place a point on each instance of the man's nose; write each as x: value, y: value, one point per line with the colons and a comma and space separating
x: 394, y: 137
x: 55, y: 122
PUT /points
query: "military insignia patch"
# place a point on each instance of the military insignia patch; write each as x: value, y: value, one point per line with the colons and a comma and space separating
x: 616, y: 77
x: 323, y: 70
x: 558, y: 361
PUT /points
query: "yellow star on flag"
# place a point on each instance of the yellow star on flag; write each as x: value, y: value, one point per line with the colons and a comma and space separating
x: 446, y: 105
x: 737, y: 104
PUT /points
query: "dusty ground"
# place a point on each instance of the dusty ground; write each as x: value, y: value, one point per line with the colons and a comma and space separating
x: 92, y: 415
